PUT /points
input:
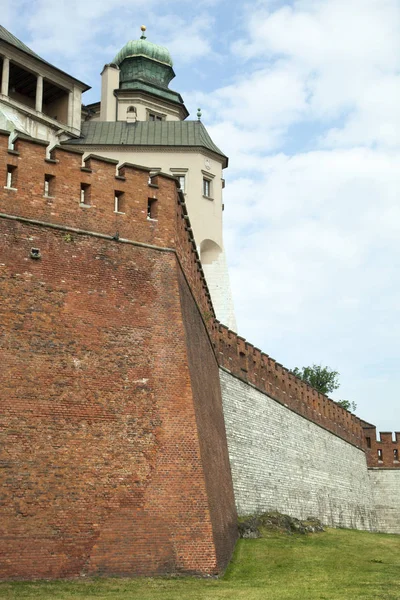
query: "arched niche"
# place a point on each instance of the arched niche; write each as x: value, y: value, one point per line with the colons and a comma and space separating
x: 209, y: 252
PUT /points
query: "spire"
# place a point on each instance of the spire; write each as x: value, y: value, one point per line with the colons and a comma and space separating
x: 143, y: 29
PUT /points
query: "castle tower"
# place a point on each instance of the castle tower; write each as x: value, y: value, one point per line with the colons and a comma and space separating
x: 141, y: 120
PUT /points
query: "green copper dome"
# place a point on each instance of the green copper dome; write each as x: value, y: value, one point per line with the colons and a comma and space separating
x: 144, y: 48
x: 146, y: 68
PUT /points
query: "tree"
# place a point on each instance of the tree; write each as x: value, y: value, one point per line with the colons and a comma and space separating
x: 347, y: 405
x: 324, y: 380
x: 321, y: 378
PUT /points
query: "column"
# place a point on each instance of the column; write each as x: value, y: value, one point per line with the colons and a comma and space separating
x: 5, y: 76
x: 39, y: 93
x: 70, y: 109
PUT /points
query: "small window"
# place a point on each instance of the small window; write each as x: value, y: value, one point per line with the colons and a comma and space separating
x: 85, y: 194
x: 11, y: 176
x: 119, y: 202
x: 131, y: 116
x: 368, y: 442
x: 154, y: 117
x: 207, y: 188
x: 182, y: 182
x: 152, y: 208
x: 380, y: 455
x: 49, y: 181
x: 395, y: 454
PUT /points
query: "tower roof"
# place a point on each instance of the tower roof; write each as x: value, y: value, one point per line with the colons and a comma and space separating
x: 143, y: 47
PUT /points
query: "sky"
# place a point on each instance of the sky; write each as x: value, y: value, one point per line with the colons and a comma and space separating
x: 304, y: 97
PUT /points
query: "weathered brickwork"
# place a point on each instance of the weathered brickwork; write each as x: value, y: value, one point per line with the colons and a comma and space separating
x: 103, y: 468
x: 204, y: 375
x: 385, y: 485
x: 282, y: 461
x: 382, y: 452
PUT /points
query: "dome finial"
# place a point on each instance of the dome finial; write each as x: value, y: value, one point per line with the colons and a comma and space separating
x: 143, y: 29
x: 199, y: 114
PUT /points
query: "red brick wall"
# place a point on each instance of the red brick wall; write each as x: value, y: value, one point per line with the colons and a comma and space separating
x: 385, y: 452
x: 102, y: 449
x: 204, y: 375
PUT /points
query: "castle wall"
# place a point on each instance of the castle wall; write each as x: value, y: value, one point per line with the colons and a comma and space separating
x: 100, y: 426
x: 385, y: 484
x: 204, y: 375
x: 283, y: 461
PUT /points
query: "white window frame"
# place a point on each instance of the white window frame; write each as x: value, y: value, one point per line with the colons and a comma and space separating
x: 181, y: 173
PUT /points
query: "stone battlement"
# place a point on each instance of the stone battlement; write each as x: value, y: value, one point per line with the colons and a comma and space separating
x: 99, y: 197
x: 253, y: 366
x: 385, y: 451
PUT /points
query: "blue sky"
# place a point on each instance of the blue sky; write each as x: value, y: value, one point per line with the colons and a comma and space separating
x: 304, y: 98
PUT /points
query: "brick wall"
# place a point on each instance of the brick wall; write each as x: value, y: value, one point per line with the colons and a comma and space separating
x: 383, y: 452
x: 103, y: 454
x: 204, y: 374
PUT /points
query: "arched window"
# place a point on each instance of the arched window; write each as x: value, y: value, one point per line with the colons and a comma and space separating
x: 131, y: 114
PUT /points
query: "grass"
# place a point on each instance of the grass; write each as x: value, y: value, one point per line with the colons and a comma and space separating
x: 335, y: 565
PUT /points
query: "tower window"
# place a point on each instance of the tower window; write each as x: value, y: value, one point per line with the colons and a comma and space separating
x: 85, y: 194
x: 206, y: 187
x: 11, y: 177
x: 119, y: 202
x: 155, y: 117
x: 380, y: 455
x: 152, y: 211
x: 182, y: 182
x: 49, y: 181
x: 368, y: 442
x: 131, y: 115
x: 395, y: 454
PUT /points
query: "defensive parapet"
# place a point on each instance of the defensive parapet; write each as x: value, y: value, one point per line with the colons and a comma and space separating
x: 258, y: 369
x: 102, y: 198
x: 383, y: 452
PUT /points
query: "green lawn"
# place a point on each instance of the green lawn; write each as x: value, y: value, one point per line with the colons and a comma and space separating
x: 335, y: 565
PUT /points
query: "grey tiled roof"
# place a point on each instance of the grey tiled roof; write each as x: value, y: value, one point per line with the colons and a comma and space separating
x: 145, y: 133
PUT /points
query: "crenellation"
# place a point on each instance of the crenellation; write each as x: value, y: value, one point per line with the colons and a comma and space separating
x: 382, y: 451
x: 285, y: 387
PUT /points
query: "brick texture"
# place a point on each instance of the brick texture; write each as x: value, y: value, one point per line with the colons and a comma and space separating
x: 103, y: 461
x: 383, y: 452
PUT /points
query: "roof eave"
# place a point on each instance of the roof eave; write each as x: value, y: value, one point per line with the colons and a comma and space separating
x: 85, y: 86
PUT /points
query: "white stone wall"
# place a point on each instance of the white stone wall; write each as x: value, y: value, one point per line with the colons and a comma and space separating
x: 217, y: 277
x: 281, y: 461
x: 385, y: 484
